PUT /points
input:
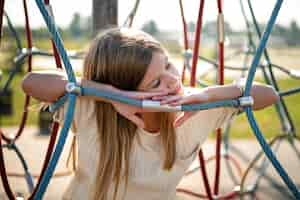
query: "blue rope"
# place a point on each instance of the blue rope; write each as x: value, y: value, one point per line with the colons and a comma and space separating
x: 261, y: 47
x: 293, y: 188
x: 72, y: 100
x: 58, y: 149
x: 123, y: 99
x: 57, y: 40
x: 205, y: 106
x: 57, y: 104
x: 109, y: 95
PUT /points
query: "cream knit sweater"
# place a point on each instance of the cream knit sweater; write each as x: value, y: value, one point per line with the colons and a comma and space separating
x: 147, y: 179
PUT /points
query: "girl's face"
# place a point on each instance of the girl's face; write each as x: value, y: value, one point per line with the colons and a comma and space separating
x: 161, y: 75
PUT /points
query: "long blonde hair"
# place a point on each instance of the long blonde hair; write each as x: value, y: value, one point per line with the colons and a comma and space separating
x: 120, y: 57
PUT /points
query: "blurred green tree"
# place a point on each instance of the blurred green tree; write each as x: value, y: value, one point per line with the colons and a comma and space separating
x: 75, y: 25
x: 150, y: 27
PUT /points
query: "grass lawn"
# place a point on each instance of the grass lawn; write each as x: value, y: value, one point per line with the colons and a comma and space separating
x: 268, y: 118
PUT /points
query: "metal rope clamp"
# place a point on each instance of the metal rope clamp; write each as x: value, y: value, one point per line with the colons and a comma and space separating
x: 50, y: 11
x: 187, y: 55
x: 73, y: 88
x: 246, y: 101
x: 155, y: 105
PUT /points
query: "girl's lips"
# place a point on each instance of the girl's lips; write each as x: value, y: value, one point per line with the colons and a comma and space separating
x: 178, y: 89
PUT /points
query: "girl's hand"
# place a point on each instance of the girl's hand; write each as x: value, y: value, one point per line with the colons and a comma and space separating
x: 189, y: 98
x: 132, y: 112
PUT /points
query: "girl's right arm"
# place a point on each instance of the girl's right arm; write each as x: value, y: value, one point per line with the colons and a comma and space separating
x: 48, y: 86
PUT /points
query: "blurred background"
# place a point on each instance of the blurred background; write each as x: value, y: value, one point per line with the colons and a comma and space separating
x: 162, y: 20
x: 78, y: 22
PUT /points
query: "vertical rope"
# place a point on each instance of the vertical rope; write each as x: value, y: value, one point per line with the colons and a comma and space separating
x: 185, y: 38
x: 293, y: 188
x: 280, y: 106
x: 221, y: 82
x: 196, y: 44
x: 1, y: 17
x: 72, y: 100
x: 51, y: 145
x: 3, y: 173
x: 29, y: 68
x: 204, y: 175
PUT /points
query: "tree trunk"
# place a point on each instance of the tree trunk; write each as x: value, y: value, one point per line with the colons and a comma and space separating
x: 104, y: 14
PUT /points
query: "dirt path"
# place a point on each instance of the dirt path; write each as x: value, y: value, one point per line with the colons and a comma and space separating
x: 34, y: 145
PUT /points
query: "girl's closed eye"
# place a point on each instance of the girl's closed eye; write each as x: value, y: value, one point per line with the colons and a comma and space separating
x: 168, y: 66
x: 156, y: 83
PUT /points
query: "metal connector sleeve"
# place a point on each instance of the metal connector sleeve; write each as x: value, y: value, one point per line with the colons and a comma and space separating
x: 50, y: 11
x: 155, y: 105
x: 221, y: 33
x: 73, y: 88
x: 246, y: 101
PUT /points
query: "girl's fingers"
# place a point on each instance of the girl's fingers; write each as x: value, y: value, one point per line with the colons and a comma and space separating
x: 161, y: 97
x: 181, y: 101
x: 146, y: 95
x: 153, y: 94
x: 170, y: 100
x: 166, y: 98
x: 187, y: 100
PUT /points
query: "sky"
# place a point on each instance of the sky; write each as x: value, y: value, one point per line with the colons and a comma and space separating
x: 166, y: 13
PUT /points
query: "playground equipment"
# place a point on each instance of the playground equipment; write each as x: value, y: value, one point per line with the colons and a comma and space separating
x: 73, y: 90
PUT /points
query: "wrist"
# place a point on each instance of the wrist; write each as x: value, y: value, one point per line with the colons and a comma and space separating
x: 207, y: 95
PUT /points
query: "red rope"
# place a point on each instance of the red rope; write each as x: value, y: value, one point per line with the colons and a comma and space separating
x: 1, y: 17
x: 193, y: 83
x: 228, y: 196
x: 196, y: 44
x: 27, y: 98
x: 185, y: 37
x: 204, y: 175
x: 218, y: 161
x: 25, y: 113
x: 55, y: 125
x: 227, y: 157
x: 56, y: 56
x: 4, y: 179
x: 51, y: 144
x: 221, y: 82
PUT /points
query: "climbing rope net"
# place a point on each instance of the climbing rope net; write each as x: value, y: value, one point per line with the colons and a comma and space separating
x: 73, y: 91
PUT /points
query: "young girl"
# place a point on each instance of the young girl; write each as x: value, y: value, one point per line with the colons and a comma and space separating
x: 125, y: 152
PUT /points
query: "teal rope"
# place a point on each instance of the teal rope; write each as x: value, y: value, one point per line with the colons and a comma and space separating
x: 293, y: 188
x: 72, y: 100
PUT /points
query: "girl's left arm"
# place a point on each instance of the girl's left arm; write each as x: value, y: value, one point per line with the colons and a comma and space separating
x: 263, y: 95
